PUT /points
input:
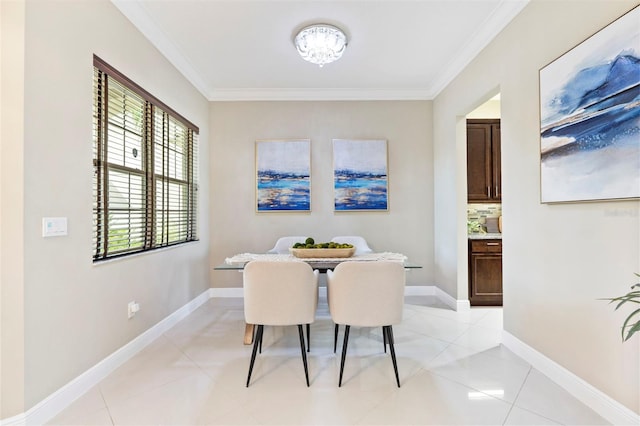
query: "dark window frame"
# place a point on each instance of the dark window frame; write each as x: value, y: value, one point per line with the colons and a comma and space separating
x: 152, y: 201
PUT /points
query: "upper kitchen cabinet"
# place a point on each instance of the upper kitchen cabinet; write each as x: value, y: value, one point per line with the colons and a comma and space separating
x: 483, y: 161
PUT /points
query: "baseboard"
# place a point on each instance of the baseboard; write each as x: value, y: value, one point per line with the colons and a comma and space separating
x: 598, y: 401
x: 19, y: 419
x: 415, y: 290
x: 455, y: 304
x: 420, y: 290
x: 46, y: 409
x: 226, y: 292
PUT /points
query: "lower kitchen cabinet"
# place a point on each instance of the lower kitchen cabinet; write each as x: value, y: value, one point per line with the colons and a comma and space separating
x: 485, y: 272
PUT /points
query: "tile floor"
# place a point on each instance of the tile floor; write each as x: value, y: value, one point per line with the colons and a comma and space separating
x: 452, y: 367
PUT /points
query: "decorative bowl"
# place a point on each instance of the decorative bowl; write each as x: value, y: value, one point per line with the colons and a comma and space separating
x: 322, y: 252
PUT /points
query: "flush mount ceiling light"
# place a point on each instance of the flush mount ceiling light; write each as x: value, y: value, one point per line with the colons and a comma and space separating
x: 321, y: 43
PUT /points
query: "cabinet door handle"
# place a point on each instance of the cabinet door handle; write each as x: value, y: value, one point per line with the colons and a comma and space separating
x: 489, y: 191
x: 493, y: 244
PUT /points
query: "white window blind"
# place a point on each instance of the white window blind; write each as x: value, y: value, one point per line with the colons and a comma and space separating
x: 145, y: 169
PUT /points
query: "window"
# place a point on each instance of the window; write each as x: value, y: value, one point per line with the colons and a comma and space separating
x: 145, y: 169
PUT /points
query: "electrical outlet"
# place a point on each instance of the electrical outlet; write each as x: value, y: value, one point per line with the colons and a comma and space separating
x: 132, y: 309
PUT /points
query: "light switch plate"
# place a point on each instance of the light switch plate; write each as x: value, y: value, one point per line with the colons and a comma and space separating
x: 54, y: 226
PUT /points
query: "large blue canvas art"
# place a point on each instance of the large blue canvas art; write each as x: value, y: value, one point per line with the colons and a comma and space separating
x: 590, y: 117
x: 283, y: 175
x: 360, y: 174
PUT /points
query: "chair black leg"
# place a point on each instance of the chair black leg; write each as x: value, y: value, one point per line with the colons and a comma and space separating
x: 389, y: 330
x: 260, y: 345
x: 335, y: 338
x: 304, y: 354
x: 344, y: 352
x: 308, y: 338
x: 391, y: 334
x: 384, y: 339
x: 257, y: 341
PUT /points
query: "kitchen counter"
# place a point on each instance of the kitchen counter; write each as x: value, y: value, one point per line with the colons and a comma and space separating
x: 487, y: 236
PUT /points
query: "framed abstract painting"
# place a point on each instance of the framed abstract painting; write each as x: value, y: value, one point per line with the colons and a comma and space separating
x: 283, y: 175
x: 360, y: 176
x: 590, y: 117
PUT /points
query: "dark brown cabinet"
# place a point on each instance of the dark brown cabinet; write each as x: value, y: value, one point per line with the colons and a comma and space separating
x: 483, y: 161
x: 485, y: 272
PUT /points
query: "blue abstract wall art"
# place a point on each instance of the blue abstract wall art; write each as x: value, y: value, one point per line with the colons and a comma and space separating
x: 283, y: 175
x: 590, y: 117
x: 360, y: 174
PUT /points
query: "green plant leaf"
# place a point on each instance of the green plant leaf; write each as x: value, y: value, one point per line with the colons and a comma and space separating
x: 626, y: 299
x: 634, y: 297
x: 634, y: 328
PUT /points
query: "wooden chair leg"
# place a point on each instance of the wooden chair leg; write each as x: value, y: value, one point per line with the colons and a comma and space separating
x: 256, y: 342
x: 308, y: 338
x: 344, y: 353
x: 335, y: 337
x: 304, y: 354
x: 249, y: 331
x: 389, y: 330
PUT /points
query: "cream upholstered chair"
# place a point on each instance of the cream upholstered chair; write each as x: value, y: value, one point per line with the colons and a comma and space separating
x: 284, y: 243
x: 279, y: 294
x: 358, y: 242
x: 367, y: 294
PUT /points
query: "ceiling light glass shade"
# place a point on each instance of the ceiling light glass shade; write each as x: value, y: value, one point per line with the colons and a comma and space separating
x: 321, y: 43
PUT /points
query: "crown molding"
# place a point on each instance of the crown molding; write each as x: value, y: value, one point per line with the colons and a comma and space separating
x: 493, y: 25
x: 135, y: 12
x: 318, y: 94
x: 490, y: 28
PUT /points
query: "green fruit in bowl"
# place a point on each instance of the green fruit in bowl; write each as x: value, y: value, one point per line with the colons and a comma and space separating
x: 311, y: 244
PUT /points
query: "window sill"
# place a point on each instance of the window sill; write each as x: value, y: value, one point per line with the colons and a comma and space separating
x: 142, y: 253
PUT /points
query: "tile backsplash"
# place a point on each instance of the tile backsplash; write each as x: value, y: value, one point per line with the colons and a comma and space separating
x: 480, y: 212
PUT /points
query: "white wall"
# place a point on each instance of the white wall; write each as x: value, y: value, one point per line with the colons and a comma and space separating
x: 11, y: 208
x: 489, y: 109
x: 236, y: 227
x: 75, y: 312
x: 558, y: 259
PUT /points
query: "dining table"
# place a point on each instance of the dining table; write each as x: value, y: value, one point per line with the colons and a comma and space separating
x: 322, y: 264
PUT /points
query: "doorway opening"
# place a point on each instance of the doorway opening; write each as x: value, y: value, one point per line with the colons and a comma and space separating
x: 484, y: 204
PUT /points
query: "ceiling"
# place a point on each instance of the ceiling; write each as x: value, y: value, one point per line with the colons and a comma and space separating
x: 243, y: 50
